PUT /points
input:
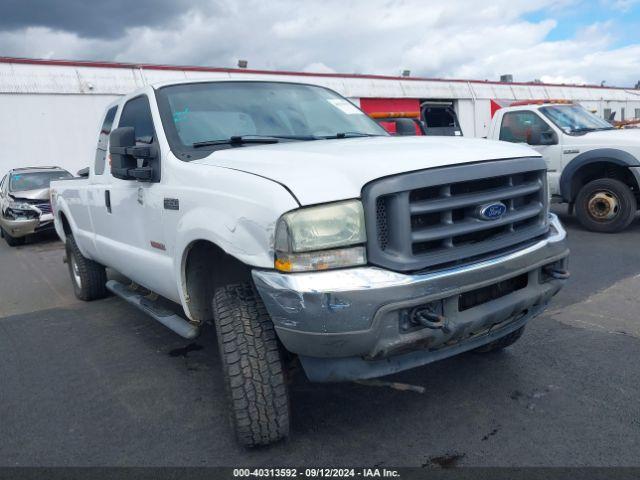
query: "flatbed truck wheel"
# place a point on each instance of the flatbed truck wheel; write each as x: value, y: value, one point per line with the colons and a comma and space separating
x: 605, y: 205
x: 252, y: 366
x: 89, y: 278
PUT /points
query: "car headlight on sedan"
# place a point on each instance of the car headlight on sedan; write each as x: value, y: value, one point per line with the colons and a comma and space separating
x: 20, y: 210
x: 321, y: 238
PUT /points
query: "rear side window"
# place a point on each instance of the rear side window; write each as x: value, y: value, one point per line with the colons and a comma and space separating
x: 103, y: 139
x: 516, y: 126
x: 137, y: 114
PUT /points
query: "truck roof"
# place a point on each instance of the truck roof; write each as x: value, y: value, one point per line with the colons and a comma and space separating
x: 167, y: 83
x: 542, y: 101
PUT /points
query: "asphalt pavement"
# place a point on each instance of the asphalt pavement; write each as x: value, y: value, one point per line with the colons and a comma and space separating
x: 101, y: 384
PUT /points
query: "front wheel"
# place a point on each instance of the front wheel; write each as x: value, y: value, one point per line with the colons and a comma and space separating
x: 89, y: 278
x: 12, y: 241
x: 605, y: 205
x: 252, y: 366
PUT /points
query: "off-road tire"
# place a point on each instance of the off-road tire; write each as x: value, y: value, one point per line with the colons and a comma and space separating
x: 12, y: 241
x: 627, y: 205
x: 92, y: 275
x: 252, y: 366
x: 501, y: 343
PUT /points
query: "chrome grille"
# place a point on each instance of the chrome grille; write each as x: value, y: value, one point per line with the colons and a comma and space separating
x: 44, y: 207
x: 429, y: 218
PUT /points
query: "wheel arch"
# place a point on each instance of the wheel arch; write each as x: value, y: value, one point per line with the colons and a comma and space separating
x: 223, y: 244
x: 587, y: 166
x: 204, y: 267
x: 63, y: 221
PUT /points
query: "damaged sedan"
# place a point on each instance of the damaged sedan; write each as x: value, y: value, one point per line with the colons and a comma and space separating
x: 25, y: 208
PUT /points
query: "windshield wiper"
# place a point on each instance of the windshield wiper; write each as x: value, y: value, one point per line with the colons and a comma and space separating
x: 235, y: 140
x: 589, y: 129
x: 350, y: 135
x: 582, y: 129
x: 248, y: 139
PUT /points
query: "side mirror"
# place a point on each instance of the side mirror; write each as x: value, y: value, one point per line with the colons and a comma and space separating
x: 125, y: 155
x: 84, y: 173
x: 549, y: 138
x: 119, y: 140
x: 537, y: 137
x: 534, y: 135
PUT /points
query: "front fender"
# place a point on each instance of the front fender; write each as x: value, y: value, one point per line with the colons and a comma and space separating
x: 248, y: 240
x: 612, y: 155
x: 245, y: 231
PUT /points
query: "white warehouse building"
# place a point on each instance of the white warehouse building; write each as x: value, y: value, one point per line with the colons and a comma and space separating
x: 51, y: 109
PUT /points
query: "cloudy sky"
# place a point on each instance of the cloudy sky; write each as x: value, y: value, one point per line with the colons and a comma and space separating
x: 574, y: 41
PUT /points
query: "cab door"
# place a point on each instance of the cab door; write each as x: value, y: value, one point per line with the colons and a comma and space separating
x: 527, y: 126
x: 99, y: 182
x: 131, y: 235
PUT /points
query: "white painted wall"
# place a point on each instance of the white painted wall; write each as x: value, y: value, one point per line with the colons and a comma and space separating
x: 466, y: 116
x: 45, y: 129
x: 49, y: 114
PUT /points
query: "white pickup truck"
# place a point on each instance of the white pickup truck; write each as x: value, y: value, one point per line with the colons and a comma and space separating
x: 592, y: 166
x: 286, y: 217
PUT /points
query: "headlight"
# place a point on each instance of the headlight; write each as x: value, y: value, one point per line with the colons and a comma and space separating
x: 315, y: 238
x: 20, y: 211
x: 19, y: 206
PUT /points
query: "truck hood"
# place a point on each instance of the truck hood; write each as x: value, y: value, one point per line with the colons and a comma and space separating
x: 328, y: 170
x: 39, y: 194
x: 629, y: 137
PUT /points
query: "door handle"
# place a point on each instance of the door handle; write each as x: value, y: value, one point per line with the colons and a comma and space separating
x: 107, y: 200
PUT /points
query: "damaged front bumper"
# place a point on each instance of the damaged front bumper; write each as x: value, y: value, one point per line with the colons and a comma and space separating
x: 361, y: 322
x: 23, y: 227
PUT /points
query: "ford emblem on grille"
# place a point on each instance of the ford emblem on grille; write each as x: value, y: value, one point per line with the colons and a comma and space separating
x: 492, y: 211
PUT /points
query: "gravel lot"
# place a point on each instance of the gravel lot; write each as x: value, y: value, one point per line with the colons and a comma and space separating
x: 101, y: 384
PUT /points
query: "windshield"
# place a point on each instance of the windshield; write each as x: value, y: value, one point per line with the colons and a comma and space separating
x: 200, y: 113
x: 21, y: 182
x: 574, y: 119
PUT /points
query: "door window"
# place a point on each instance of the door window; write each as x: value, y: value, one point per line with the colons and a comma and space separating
x: 137, y: 114
x: 103, y: 139
x: 517, y: 126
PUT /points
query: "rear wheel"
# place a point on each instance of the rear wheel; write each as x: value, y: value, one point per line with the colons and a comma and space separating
x: 605, y: 205
x: 12, y: 241
x: 501, y: 343
x: 89, y: 278
x: 252, y: 366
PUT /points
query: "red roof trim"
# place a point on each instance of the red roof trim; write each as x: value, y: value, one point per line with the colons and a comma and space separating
x: 192, y: 68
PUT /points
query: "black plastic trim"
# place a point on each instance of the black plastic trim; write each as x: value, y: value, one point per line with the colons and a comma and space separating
x: 611, y: 155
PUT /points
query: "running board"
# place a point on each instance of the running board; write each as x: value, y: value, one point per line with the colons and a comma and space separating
x: 166, y: 317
